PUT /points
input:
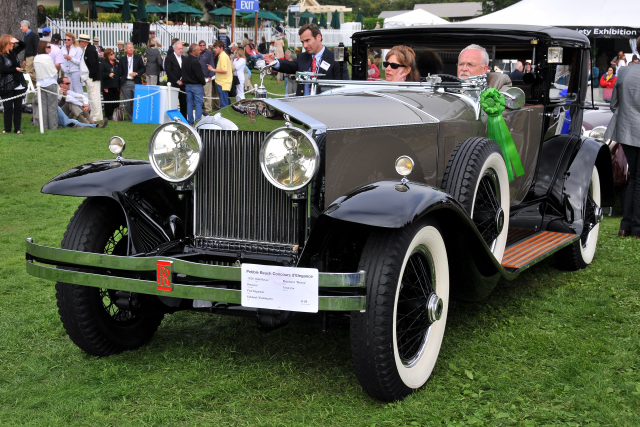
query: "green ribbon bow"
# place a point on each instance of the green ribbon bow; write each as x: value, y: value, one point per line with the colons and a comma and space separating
x: 492, y: 102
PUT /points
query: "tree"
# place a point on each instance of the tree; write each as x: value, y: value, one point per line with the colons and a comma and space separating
x: 16, y: 11
x: 490, y: 6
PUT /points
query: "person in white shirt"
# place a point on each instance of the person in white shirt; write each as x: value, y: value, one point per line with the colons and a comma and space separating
x: 90, y: 75
x: 46, y: 73
x: 239, y: 63
x: 56, y: 52
x: 72, y: 55
x: 74, y: 105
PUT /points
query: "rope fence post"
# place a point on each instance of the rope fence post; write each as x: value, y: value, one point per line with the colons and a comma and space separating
x: 168, y: 106
x: 40, y: 107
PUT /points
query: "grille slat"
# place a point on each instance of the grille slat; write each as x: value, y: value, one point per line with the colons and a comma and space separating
x: 234, y: 202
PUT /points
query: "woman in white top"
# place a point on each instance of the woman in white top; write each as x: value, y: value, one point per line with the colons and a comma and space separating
x: 619, y: 61
x: 239, y: 62
x: 72, y: 55
x: 47, y: 75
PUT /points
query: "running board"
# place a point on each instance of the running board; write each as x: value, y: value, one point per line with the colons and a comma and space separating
x: 528, y: 247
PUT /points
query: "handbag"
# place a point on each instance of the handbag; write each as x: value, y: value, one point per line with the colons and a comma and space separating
x: 118, y: 114
x: 234, y: 90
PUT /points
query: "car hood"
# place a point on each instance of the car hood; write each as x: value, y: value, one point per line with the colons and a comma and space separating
x: 371, y: 108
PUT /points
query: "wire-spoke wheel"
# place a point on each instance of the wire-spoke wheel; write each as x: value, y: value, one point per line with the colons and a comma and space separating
x: 476, y: 176
x: 396, y: 342
x: 90, y: 315
x: 580, y: 253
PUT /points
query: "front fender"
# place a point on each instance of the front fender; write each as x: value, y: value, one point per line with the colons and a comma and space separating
x: 388, y: 204
x: 154, y: 210
x: 101, y: 178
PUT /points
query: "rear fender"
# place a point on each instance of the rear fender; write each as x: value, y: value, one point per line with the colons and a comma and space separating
x: 573, y: 184
x: 154, y: 212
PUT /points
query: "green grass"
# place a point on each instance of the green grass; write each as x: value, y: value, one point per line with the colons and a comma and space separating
x: 550, y: 348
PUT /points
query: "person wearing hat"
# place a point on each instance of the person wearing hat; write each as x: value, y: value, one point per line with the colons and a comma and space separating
x: 251, y: 52
x: 46, y: 34
x: 90, y: 75
x: 224, y: 38
x: 100, y: 49
x: 152, y: 38
x: 56, y: 53
x: 280, y: 27
x: 120, y: 49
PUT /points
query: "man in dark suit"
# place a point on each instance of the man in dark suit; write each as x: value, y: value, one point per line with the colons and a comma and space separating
x: 132, y: 68
x: 90, y: 74
x: 316, y: 58
x: 517, y: 72
x: 173, y: 68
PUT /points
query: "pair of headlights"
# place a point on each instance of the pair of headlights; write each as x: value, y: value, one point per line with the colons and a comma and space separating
x: 289, y: 158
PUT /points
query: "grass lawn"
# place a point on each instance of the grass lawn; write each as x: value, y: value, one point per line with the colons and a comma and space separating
x: 550, y: 348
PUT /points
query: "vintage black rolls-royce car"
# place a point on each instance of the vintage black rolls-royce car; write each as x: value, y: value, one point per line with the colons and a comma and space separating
x: 375, y: 201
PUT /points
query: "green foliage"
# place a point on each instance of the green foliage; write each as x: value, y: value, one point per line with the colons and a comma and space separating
x: 110, y: 17
x: 194, y: 3
x: 370, y: 23
x: 55, y: 12
x: 490, y: 6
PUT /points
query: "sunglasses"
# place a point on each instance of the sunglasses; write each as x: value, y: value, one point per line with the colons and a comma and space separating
x: 393, y: 65
x: 65, y: 83
x: 68, y: 40
x: 48, y: 47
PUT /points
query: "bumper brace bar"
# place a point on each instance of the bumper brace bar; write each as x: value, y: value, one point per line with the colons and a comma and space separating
x: 116, y: 280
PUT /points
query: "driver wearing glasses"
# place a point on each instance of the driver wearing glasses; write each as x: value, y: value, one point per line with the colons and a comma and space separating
x: 474, y: 61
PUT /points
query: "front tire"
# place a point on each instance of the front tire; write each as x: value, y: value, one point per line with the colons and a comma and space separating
x: 396, y: 342
x: 476, y: 176
x: 89, y: 315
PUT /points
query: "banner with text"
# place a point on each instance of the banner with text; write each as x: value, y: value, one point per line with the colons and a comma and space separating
x: 248, y: 5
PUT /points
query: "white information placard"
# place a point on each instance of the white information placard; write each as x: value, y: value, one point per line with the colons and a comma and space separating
x: 280, y: 288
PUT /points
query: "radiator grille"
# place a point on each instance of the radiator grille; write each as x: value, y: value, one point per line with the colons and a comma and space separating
x: 236, y: 208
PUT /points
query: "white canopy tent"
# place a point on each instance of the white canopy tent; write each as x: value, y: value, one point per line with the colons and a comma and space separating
x: 594, y: 18
x: 413, y: 18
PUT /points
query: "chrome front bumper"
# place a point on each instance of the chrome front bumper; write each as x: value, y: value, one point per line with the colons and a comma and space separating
x: 112, y: 267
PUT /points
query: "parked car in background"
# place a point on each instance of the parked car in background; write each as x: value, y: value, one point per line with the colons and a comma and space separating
x: 377, y: 202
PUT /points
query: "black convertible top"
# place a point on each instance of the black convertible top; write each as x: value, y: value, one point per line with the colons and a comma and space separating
x: 482, y: 31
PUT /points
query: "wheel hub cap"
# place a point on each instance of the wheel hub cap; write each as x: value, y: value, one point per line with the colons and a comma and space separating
x: 435, y: 307
x: 499, y: 220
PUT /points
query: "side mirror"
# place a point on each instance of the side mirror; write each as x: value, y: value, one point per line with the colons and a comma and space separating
x: 514, y: 98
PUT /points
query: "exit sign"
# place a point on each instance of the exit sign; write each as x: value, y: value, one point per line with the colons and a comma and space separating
x: 248, y: 5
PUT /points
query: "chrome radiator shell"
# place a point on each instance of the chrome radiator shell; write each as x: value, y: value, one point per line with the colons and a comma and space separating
x: 235, y: 207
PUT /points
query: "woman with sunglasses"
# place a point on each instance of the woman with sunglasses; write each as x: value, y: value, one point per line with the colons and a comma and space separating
x: 12, y: 81
x: 46, y: 75
x: 400, y: 65
x: 72, y: 55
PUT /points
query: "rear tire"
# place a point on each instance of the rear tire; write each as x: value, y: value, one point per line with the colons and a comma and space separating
x: 396, y: 342
x: 89, y: 315
x: 580, y: 253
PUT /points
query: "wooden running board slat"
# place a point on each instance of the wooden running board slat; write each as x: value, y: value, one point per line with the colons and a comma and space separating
x: 537, y: 245
x: 516, y: 234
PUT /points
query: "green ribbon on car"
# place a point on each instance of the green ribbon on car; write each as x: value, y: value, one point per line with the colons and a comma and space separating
x: 492, y: 102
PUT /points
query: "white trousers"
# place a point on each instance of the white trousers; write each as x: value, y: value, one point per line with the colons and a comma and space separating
x: 93, y: 93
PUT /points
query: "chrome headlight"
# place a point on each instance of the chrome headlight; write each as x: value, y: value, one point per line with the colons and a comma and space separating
x: 598, y: 133
x: 174, y: 151
x: 289, y: 158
